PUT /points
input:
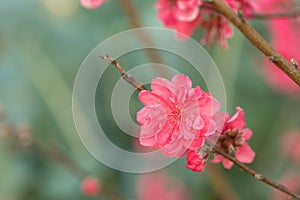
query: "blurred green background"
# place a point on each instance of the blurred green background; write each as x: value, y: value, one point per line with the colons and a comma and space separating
x: 42, y: 44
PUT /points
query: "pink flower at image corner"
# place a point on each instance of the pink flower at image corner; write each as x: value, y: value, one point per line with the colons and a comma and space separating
x: 159, y: 185
x: 176, y: 117
x: 91, y: 4
x: 290, y: 145
x: 243, y: 153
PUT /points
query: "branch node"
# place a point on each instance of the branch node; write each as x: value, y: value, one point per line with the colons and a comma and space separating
x: 258, y: 176
x: 273, y: 58
x: 294, y: 63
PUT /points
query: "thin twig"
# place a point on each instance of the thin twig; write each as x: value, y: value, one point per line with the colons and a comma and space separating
x: 217, y: 150
x: 289, y: 15
x: 256, y: 175
x: 257, y: 40
x: 132, y: 14
x: 129, y: 79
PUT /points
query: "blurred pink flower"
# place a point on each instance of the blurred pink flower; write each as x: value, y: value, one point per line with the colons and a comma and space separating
x: 176, y: 117
x: 91, y: 4
x: 90, y: 186
x: 182, y: 15
x: 285, y: 39
x: 274, y: 6
x: 160, y: 186
x: 290, y: 145
x: 233, y: 140
x: 216, y: 28
x: 290, y: 181
x: 246, y: 6
x: 195, y: 162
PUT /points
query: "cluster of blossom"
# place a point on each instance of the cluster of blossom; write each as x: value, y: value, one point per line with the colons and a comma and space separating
x: 185, y: 16
x: 179, y: 119
x: 284, y: 33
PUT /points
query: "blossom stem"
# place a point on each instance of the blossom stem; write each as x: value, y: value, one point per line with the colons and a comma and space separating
x: 255, y: 174
x: 256, y: 39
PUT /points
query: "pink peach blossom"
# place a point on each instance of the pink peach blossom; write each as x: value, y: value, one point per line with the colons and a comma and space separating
x: 195, y: 162
x: 235, y: 125
x: 182, y: 15
x: 159, y: 185
x: 176, y: 117
x: 91, y: 4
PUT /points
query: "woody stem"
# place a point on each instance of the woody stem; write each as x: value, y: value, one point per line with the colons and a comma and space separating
x: 256, y: 175
x: 256, y: 39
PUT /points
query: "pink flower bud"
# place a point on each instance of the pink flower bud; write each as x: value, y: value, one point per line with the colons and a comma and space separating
x: 195, y: 162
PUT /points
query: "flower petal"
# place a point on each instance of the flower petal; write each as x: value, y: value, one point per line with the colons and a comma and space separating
x: 237, y: 120
x: 245, y: 154
x: 247, y: 133
x: 149, y: 99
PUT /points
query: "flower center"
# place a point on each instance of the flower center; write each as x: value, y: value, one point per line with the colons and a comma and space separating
x: 176, y: 113
x: 231, y: 140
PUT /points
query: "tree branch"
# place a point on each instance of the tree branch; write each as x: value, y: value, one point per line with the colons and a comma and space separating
x: 256, y: 39
x: 215, y: 149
